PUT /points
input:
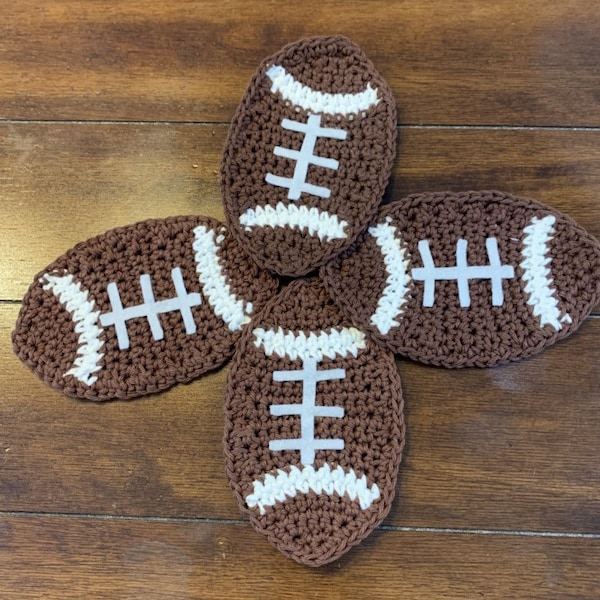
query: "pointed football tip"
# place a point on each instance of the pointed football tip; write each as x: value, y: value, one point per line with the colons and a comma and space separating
x: 334, y: 46
x: 336, y: 39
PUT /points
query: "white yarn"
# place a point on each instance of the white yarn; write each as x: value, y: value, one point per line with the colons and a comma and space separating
x: 319, y: 102
x: 234, y: 311
x: 317, y: 222
x: 395, y: 294
x: 325, y: 480
x: 537, y: 274
x: 338, y: 342
x: 75, y: 300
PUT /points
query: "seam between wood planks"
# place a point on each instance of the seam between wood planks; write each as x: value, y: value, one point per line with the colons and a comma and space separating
x: 443, y: 126
x: 395, y: 528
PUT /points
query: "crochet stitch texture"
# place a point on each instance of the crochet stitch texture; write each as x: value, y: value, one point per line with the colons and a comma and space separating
x: 139, y: 309
x: 312, y: 512
x: 529, y: 277
x: 308, y: 155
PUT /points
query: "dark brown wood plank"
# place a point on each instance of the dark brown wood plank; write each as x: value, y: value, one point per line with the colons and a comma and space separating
x: 511, y: 448
x: 58, y: 558
x: 71, y: 182
x: 499, y: 490
x: 63, y: 183
x: 159, y: 455
x: 455, y: 63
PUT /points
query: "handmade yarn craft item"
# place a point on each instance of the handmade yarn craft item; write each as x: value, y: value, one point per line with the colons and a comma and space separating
x: 314, y: 426
x: 309, y: 154
x: 138, y: 309
x: 467, y: 279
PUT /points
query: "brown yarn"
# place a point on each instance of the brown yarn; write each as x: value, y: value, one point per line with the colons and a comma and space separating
x: 480, y: 335
x: 45, y: 339
x: 312, y: 528
x: 330, y: 65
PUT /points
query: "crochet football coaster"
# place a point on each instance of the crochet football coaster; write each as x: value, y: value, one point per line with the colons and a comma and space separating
x: 469, y: 279
x: 314, y: 426
x: 139, y: 309
x: 309, y: 154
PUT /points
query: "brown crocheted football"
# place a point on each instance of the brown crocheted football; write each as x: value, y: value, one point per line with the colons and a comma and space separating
x: 469, y: 279
x: 309, y: 154
x: 314, y: 427
x: 139, y: 309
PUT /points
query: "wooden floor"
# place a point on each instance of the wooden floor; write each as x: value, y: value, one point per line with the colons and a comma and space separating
x: 112, y: 112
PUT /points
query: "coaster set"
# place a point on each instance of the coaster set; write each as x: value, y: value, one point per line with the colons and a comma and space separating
x: 314, y: 426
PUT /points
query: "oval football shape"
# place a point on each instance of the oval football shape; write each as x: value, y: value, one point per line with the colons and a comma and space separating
x: 308, y: 155
x: 314, y: 427
x: 138, y: 309
x: 468, y: 279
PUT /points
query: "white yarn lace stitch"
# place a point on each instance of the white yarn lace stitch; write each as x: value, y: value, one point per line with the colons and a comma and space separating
x: 319, y: 102
x: 76, y: 301
x: 233, y: 311
x: 325, y: 480
x: 338, y: 342
x: 317, y: 222
x: 396, y: 261
x: 537, y: 273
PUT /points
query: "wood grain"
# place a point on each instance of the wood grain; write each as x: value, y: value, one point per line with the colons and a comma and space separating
x: 50, y: 557
x: 465, y: 62
x: 113, y: 112
x: 63, y: 183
